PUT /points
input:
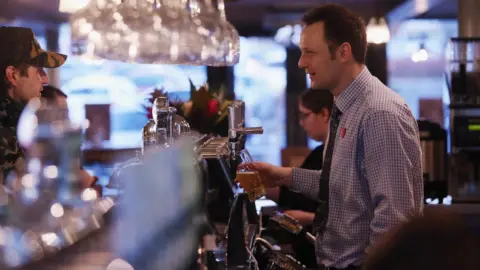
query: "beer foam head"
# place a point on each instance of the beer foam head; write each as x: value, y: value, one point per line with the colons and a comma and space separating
x: 246, y: 172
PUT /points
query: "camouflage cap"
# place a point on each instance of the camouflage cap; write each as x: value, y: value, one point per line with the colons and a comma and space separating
x: 18, y: 45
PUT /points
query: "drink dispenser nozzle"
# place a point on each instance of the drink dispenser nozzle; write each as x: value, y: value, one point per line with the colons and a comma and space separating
x: 237, y: 132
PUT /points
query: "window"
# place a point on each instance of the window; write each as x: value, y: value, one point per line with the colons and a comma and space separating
x: 420, y: 79
x: 124, y: 86
x: 260, y: 81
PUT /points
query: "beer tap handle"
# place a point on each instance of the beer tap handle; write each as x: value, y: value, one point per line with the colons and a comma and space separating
x: 208, y: 155
x: 251, y: 130
x: 234, y: 133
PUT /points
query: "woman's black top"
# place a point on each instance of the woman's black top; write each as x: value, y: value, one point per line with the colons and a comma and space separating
x: 290, y: 200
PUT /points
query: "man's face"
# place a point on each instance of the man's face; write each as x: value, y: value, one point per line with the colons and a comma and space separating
x: 29, y: 85
x: 323, y: 68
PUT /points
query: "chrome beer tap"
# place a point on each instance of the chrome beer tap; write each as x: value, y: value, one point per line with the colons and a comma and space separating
x: 149, y: 135
x: 162, y: 130
x: 237, y: 132
x: 163, y: 120
x: 168, y: 125
x: 181, y: 126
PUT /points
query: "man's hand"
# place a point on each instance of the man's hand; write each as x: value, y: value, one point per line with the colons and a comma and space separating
x: 272, y: 176
x: 305, y: 218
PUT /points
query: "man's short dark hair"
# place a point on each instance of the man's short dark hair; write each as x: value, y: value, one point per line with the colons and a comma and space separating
x: 315, y: 100
x: 19, y: 48
x: 341, y: 25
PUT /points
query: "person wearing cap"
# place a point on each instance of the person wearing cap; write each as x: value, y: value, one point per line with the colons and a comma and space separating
x: 22, y: 63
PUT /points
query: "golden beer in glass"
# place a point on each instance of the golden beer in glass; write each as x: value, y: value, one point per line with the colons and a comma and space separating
x: 250, y: 179
x: 251, y: 182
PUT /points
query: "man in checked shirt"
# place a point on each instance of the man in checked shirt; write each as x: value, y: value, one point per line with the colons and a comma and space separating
x: 372, y: 177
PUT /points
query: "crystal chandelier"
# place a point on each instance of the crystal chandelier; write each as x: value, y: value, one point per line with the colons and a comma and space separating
x: 220, y: 42
x: 170, y: 39
x: 99, y: 31
x: 230, y: 40
x: 191, y: 32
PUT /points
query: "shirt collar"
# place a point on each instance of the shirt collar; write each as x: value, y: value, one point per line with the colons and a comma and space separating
x: 351, y: 93
x: 10, y: 111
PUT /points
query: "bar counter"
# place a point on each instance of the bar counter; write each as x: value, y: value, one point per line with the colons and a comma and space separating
x: 472, y: 209
x: 92, y: 253
x: 471, y: 212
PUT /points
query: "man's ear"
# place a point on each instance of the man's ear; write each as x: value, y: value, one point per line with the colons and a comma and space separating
x: 12, y: 74
x: 325, y: 115
x: 345, y: 51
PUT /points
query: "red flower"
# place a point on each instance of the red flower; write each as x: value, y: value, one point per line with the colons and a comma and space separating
x: 149, y: 112
x: 212, y: 108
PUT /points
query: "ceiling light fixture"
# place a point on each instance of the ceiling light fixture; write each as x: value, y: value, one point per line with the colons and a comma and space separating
x: 377, y: 31
x: 421, y: 55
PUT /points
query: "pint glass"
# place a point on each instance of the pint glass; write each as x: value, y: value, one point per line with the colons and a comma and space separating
x: 250, y: 179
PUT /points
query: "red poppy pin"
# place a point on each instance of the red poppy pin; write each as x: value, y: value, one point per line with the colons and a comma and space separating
x: 342, y: 132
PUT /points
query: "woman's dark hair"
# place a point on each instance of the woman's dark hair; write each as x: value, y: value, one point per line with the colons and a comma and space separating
x: 316, y: 100
x: 51, y: 93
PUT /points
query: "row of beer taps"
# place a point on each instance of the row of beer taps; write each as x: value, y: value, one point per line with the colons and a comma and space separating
x: 45, y: 209
x: 166, y: 126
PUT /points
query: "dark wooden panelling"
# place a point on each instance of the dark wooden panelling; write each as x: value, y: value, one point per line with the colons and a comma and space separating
x: 296, y: 84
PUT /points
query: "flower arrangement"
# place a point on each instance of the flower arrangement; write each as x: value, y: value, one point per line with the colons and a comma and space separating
x: 206, y: 111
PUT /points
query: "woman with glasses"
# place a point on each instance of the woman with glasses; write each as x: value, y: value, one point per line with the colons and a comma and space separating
x: 314, y: 113
x: 314, y: 109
